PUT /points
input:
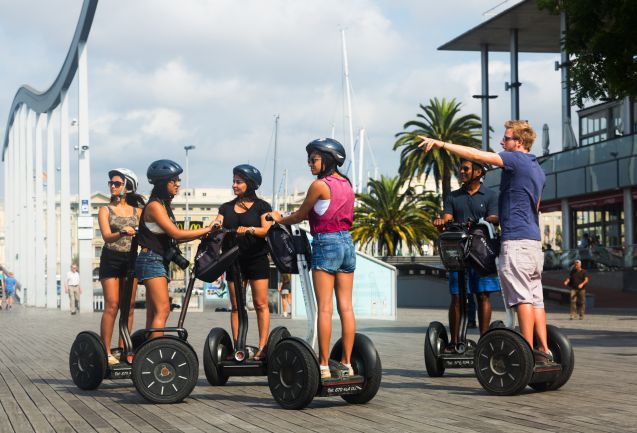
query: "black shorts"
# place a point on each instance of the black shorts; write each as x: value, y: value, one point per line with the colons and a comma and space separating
x: 255, y: 268
x: 113, y: 264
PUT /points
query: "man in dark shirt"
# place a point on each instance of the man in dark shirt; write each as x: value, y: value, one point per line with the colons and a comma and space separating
x: 577, y: 280
x: 472, y: 200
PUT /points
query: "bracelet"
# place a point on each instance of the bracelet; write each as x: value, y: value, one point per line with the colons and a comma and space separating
x: 443, y: 144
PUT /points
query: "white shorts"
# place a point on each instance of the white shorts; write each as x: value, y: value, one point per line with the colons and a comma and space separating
x: 520, y: 269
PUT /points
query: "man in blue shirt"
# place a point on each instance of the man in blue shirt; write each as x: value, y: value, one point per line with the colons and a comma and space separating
x: 9, y: 286
x: 521, y: 258
x: 472, y: 201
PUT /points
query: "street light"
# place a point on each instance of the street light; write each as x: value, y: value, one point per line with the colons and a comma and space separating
x: 187, y: 218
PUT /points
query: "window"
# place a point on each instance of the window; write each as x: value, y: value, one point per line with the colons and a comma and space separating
x: 203, y: 194
x: 98, y: 251
x: 98, y: 233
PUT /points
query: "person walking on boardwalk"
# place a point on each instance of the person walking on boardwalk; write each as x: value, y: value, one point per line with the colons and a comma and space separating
x: 329, y: 206
x: 474, y: 201
x: 73, y: 288
x: 9, y: 289
x: 285, y: 290
x: 521, y: 257
x: 246, y: 213
x: 117, y: 221
x: 577, y: 280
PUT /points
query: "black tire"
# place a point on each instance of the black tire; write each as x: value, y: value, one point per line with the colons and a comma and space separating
x: 165, y: 370
x: 217, y: 347
x: 563, y: 354
x: 497, y: 324
x: 365, y: 362
x: 276, y: 335
x: 138, y: 338
x: 87, y: 360
x: 435, y: 340
x: 503, y: 362
x: 293, y: 375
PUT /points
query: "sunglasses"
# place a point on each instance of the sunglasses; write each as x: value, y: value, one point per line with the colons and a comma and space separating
x: 313, y: 160
x: 465, y: 168
x: 115, y: 183
x: 507, y: 138
x: 175, y: 180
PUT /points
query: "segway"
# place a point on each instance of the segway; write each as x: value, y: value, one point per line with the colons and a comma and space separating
x: 451, y: 245
x: 293, y: 368
x: 163, y: 369
x: 221, y: 358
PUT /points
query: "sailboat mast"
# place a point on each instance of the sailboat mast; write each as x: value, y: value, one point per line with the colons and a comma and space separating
x: 348, y: 98
x: 361, y: 146
x: 274, y: 186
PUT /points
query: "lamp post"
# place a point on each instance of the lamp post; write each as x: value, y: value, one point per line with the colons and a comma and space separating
x: 187, y: 217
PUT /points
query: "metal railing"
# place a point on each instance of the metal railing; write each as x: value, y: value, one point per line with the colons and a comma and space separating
x: 598, y: 257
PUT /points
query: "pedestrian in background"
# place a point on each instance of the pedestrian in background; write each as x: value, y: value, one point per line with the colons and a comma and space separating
x: 72, y: 287
x: 9, y: 290
x: 285, y: 289
x: 577, y: 280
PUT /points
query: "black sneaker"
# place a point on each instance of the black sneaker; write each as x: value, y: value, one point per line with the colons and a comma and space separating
x: 472, y: 325
x: 450, y: 349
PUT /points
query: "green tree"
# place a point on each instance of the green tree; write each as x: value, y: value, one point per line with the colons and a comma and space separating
x: 601, y: 37
x: 390, y: 219
x: 441, y: 120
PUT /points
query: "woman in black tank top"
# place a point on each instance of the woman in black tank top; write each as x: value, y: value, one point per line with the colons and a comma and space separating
x: 157, y: 234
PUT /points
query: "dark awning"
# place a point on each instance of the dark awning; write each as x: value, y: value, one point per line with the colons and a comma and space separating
x: 538, y: 31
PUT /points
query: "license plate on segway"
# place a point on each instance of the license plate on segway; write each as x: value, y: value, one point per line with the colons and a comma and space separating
x: 333, y: 387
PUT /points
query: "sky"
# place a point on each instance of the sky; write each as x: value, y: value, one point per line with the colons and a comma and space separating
x: 214, y: 73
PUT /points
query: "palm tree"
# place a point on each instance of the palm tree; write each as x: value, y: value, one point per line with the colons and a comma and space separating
x: 438, y: 121
x: 392, y: 218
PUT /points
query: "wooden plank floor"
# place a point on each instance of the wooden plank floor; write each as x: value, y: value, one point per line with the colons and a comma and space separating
x: 37, y: 394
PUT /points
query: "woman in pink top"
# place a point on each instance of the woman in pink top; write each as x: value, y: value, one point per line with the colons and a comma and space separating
x: 329, y: 206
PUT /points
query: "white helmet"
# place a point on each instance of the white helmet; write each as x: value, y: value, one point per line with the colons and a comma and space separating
x: 130, y: 179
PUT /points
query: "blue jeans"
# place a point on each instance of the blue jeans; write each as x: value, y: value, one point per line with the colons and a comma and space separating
x: 333, y: 252
x: 150, y: 264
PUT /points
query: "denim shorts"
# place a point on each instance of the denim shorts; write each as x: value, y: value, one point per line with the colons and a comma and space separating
x: 150, y: 264
x: 475, y: 283
x: 333, y: 252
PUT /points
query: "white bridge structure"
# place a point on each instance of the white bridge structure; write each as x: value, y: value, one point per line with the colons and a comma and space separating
x: 32, y: 225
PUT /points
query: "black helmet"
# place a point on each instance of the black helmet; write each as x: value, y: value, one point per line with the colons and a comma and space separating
x: 328, y: 145
x: 249, y: 173
x: 163, y: 169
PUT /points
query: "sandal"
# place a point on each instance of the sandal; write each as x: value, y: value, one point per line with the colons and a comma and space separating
x: 261, y: 354
x: 112, y: 360
x: 543, y: 357
x: 350, y: 370
x: 325, y: 372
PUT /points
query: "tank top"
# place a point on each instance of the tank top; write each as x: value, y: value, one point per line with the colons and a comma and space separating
x: 154, y: 241
x: 340, y: 213
x: 117, y: 223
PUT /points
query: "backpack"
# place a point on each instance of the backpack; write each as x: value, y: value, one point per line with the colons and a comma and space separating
x: 482, y: 248
x: 284, y: 247
x: 210, y: 261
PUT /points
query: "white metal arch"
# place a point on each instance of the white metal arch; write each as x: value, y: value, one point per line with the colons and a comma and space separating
x: 27, y: 213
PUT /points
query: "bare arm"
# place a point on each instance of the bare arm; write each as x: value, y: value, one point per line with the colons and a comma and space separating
x: 158, y: 214
x: 256, y: 231
x: 465, y: 152
x: 583, y: 283
x: 317, y: 191
x: 105, y: 227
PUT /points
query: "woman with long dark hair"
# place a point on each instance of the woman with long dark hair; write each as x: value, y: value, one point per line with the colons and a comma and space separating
x: 117, y: 222
x: 246, y: 213
x: 158, y: 237
x: 329, y: 206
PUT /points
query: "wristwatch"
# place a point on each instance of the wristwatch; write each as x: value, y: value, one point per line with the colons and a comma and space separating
x: 251, y: 230
x: 123, y: 232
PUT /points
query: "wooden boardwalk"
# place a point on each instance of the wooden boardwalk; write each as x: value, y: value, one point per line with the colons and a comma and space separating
x: 37, y: 394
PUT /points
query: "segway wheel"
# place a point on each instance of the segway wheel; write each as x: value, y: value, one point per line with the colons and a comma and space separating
x: 365, y: 362
x: 563, y: 354
x: 503, y: 362
x: 87, y: 360
x: 276, y: 336
x: 217, y: 347
x: 435, y: 340
x: 165, y: 370
x: 293, y: 374
x: 138, y: 338
x: 497, y: 324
